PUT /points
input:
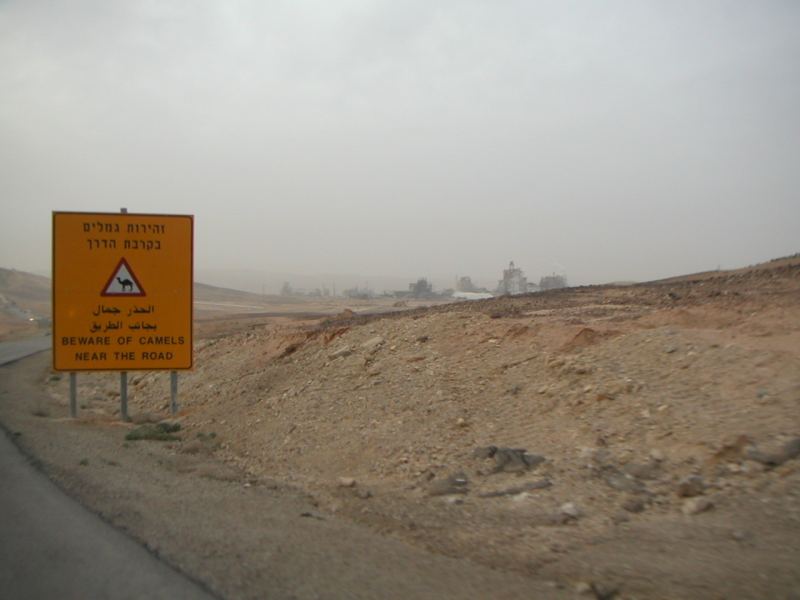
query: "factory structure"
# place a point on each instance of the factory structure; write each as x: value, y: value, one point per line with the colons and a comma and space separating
x: 514, y: 282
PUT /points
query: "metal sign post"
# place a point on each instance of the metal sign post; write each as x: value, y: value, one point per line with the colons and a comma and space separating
x: 173, y: 388
x: 123, y: 396
x: 73, y: 395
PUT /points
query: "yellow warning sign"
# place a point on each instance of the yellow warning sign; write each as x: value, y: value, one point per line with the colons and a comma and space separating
x: 122, y: 291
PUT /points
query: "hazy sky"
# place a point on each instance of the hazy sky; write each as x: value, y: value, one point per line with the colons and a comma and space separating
x: 606, y: 140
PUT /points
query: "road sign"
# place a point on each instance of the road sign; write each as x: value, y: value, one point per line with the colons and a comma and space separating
x: 122, y: 291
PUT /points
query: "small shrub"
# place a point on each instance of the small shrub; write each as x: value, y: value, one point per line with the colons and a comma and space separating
x: 162, y: 432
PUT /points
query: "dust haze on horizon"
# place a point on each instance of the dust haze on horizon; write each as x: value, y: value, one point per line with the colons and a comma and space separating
x: 393, y: 140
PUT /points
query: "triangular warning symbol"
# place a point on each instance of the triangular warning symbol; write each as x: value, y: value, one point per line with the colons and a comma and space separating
x: 123, y: 282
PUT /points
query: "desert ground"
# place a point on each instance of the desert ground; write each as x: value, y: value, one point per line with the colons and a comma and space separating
x: 638, y: 441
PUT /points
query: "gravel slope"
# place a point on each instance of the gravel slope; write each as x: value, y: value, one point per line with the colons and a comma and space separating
x: 667, y: 416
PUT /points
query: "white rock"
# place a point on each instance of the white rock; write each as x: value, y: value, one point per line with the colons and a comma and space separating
x: 583, y: 589
x: 340, y: 352
x: 694, y: 506
x: 570, y: 510
x: 372, y: 344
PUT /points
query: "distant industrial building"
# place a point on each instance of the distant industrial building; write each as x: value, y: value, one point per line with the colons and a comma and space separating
x: 421, y: 289
x: 513, y: 281
x: 552, y: 282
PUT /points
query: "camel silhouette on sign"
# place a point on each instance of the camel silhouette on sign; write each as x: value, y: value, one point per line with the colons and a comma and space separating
x: 125, y: 283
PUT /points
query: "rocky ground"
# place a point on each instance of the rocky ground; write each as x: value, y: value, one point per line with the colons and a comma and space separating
x: 622, y: 442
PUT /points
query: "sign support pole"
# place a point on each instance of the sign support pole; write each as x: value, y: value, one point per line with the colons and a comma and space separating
x: 123, y: 377
x: 123, y: 395
x: 73, y: 395
x: 173, y: 388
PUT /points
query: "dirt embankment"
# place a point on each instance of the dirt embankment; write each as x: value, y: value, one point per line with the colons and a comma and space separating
x: 636, y: 441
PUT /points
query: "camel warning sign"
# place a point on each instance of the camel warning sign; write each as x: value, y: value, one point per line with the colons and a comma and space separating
x: 122, y: 291
x: 123, y: 282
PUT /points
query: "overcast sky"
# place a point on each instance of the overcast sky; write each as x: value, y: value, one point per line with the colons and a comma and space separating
x: 603, y: 140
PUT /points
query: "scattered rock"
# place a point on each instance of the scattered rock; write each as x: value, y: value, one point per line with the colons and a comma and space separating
x: 454, y: 484
x: 751, y: 467
x: 769, y: 459
x: 633, y: 505
x: 733, y: 450
x: 192, y: 447
x: 347, y: 482
x: 694, y: 506
x: 583, y: 588
x: 518, y: 489
x: 604, y: 591
x: 570, y: 510
x: 691, y: 486
x: 217, y: 472
x: 619, y: 518
x: 595, y: 590
x: 741, y: 535
x: 623, y: 483
x: 341, y: 352
x: 312, y: 515
x: 509, y: 460
x: 648, y: 470
x: 373, y: 344
x: 790, y: 450
x: 484, y: 452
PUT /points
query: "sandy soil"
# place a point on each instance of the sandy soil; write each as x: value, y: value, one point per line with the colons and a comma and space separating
x: 615, y: 442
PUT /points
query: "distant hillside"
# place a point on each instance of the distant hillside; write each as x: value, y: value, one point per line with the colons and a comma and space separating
x: 21, y: 291
x: 211, y: 293
x: 775, y: 263
x: 24, y: 294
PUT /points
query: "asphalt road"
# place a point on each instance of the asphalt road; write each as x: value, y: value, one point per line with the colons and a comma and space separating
x: 52, y: 547
x: 11, y: 351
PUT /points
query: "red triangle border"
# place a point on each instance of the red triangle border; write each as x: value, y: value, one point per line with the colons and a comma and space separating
x: 122, y: 262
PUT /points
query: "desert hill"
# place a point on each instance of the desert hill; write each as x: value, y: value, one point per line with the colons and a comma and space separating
x: 23, y: 297
x: 26, y: 290
x: 644, y: 438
